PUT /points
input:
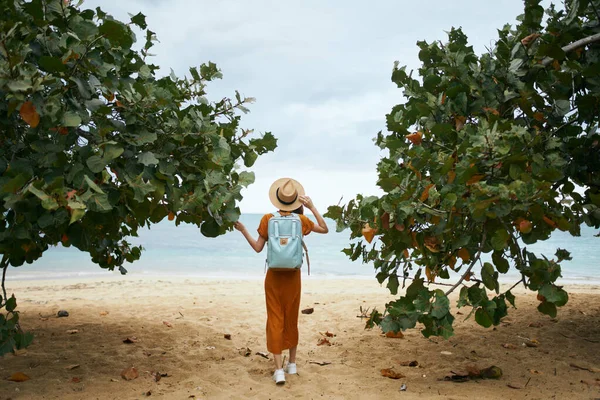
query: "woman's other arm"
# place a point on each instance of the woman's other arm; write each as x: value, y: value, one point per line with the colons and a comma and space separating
x: 321, y: 226
x: 256, y: 244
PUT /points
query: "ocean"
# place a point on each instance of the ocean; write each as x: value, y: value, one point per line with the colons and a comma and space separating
x: 182, y: 251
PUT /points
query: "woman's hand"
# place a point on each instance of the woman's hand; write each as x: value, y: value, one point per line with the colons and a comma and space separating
x: 306, y: 202
x: 239, y: 226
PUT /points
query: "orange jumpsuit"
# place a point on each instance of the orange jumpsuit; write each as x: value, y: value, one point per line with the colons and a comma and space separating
x: 282, y: 295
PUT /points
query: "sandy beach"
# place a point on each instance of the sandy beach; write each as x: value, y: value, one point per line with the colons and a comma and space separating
x: 178, y: 329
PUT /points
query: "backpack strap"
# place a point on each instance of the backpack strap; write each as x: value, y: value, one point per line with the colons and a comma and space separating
x: 307, y: 259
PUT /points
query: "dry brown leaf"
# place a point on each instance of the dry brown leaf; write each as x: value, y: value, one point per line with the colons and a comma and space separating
x: 323, y: 341
x: 368, y: 233
x: 18, y: 377
x: 309, y: 310
x: 227, y: 336
x: 75, y: 379
x: 463, y: 253
x: 168, y: 324
x: 245, y: 352
x: 510, y: 346
x: 394, y: 335
x: 414, y: 363
x: 328, y: 334
x: 459, y: 122
x: 29, y: 114
x: 390, y: 373
x: 73, y: 366
x: 451, y: 176
x: 591, y: 383
x: 129, y: 373
x: 415, y: 138
x: 425, y: 194
x: 475, y: 179
x: 103, y: 313
x: 491, y: 110
x: 130, y: 339
x: 535, y: 325
x: 510, y: 385
x: 321, y: 363
x: 584, y: 368
x: 527, y: 40
x: 535, y: 372
x: 262, y: 354
x: 73, y: 331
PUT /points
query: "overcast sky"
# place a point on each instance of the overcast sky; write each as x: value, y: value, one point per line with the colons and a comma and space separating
x: 320, y: 71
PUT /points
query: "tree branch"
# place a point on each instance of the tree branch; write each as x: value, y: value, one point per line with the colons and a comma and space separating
x: 573, y: 46
x: 4, y: 266
x: 468, y: 271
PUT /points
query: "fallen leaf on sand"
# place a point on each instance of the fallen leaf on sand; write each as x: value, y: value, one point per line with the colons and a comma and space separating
x: 69, y: 367
x: 245, y: 352
x: 210, y: 347
x: 535, y: 325
x: 129, y: 373
x: 227, y: 336
x: 328, y: 334
x: 146, y: 353
x: 75, y: 379
x: 262, y: 354
x: 584, y: 367
x: 510, y: 385
x: 510, y: 346
x: 323, y: 341
x: 158, y: 376
x: 18, y: 377
x: 414, y: 363
x: 309, y: 310
x: 535, y: 372
x: 130, y: 339
x: 321, y: 363
x: 445, y: 353
x: 168, y: 324
x: 20, y: 352
x: 390, y: 373
x: 591, y: 383
x: 394, y: 335
x: 103, y: 313
x: 532, y: 343
x: 73, y: 331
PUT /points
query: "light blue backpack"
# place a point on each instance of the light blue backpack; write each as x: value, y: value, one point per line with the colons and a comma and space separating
x: 284, y: 247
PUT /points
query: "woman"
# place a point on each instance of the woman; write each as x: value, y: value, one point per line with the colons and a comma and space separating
x: 282, y: 288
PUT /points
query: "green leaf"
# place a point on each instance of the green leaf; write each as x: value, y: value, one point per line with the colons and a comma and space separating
x: 500, y: 239
x: 210, y: 228
x: 71, y: 119
x: 92, y: 185
x: 500, y: 262
x: 511, y: 298
x: 489, y: 277
x: 99, y: 202
x: 48, y: 202
x: 140, y: 20
x: 441, y: 305
x: 393, y: 284
x: 11, y: 304
x: 76, y: 215
x: 554, y: 294
x: 547, y: 308
x: 96, y: 164
x: 147, y: 158
x: 112, y: 151
x: 483, y: 317
x: 246, y: 178
x: 52, y: 64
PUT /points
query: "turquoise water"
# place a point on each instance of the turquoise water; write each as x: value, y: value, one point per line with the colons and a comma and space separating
x: 182, y: 251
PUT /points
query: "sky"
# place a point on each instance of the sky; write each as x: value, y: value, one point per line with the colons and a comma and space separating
x: 319, y: 70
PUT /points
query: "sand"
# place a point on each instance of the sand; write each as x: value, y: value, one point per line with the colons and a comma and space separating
x: 180, y: 325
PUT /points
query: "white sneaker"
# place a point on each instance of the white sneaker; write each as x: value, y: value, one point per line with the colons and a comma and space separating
x: 291, y: 369
x: 279, y: 376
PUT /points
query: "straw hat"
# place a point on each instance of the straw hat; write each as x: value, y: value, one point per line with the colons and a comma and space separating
x: 285, y: 194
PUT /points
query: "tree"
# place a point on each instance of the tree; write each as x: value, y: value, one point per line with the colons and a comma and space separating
x: 94, y: 145
x: 488, y: 154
